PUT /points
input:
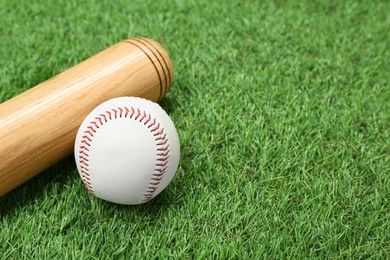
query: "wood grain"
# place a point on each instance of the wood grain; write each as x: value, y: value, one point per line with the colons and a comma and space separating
x: 38, y: 127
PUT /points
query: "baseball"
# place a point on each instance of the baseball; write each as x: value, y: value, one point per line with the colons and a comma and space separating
x: 127, y: 150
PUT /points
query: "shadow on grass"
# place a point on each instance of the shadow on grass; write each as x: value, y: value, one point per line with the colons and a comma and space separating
x: 172, y: 197
x: 168, y: 104
x: 54, y: 181
x: 37, y: 188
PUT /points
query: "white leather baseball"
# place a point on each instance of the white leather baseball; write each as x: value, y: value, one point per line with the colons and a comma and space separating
x: 127, y: 150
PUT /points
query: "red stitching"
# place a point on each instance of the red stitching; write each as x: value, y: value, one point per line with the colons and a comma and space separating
x: 161, y: 137
x: 163, y: 164
x: 84, y: 147
x: 132, y: 112
x: 143, y: 117
x: 162, y: 146
x: 127, y: 111
x: 161, y: 161
x: 85, y: 142
x: 89, y: 133
x: 115, y: 113
x: 100, y: 119
x: 84, y: 162
x: 163, y: 149
x: 120, y: 112
x: 139, y: 113
x: 109, y: 114
x: 95, y: 124
x: 165, y: 153
x: 91, y: 128
x: 84, y: 152
x: 86, y: 175
x: 85, y: 137
x: 159, y: 133
x: 162, y: 142
x: 148, y: 120
x: 156, y: 127
x: 104, y: 116
x: 153, y: 123
x: 83, y: 158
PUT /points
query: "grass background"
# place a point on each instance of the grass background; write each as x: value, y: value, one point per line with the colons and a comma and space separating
x: 282, y: 109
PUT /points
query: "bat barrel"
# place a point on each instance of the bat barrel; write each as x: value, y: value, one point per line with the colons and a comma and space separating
x: 38, y: 127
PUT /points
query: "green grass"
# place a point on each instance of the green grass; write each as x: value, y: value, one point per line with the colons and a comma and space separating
x: 282, y: 109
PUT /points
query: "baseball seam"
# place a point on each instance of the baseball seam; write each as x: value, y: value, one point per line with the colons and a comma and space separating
x: 161, y: 140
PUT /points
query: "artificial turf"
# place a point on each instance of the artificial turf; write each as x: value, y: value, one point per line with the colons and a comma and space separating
x: 282, y: 108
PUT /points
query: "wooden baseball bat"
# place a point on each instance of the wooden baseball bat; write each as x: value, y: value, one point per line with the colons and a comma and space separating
x: 38, y: 127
